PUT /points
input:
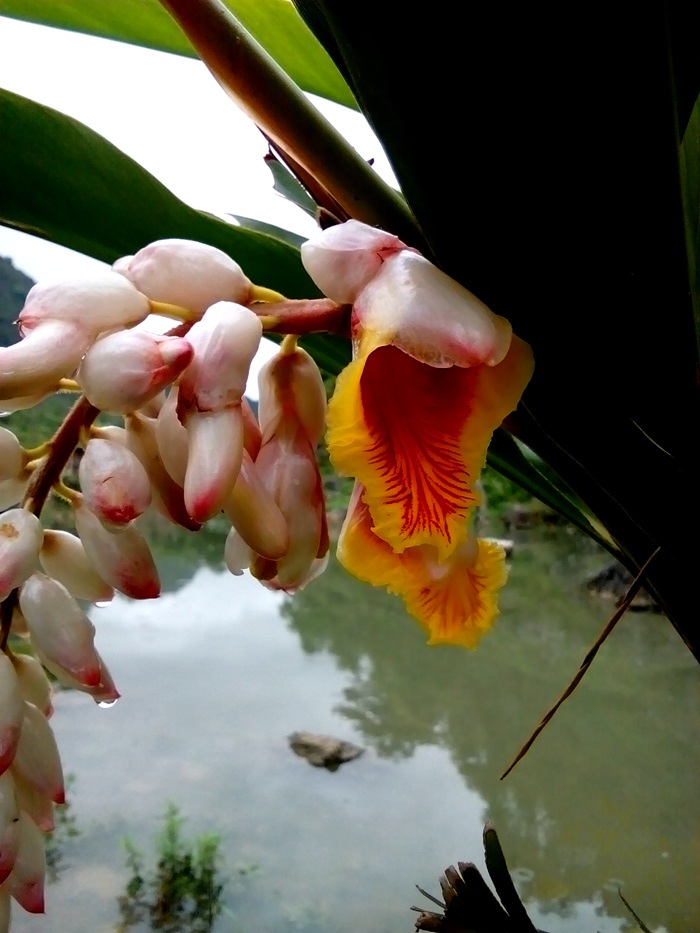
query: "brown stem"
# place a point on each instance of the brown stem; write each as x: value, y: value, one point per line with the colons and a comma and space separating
x: 635, y: 587
x: 61, y: 446
x: 279, y: 108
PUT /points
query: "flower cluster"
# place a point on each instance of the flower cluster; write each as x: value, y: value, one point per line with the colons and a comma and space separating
x: 434, y: 373
x: 190, y: 447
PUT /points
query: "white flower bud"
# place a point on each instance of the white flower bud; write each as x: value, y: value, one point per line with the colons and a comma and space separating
x: 27, y: 879
x: 114, y: 484
x: 34, y: 804
x: 292, y: 382
x: 34, y: 685
x: 21, y: 535
x: 255, y: 515
x: 225, y: 342
x: 63, y: 557
x: 237, y: 554
x: 343, y: 259
x: 168, y: 496
x: 9, y: 825
x: 122, y: 560
x: 103, y: 692
x: 171, y: 436
x: 11, y: 455
x: 185, y: 273
x: 34, y: 366
x: 11, y: 712
x: 122, y: 371
x: 59, y: 628
x: 100, y: 303
x: 214, y: 460
x: 37, y: 759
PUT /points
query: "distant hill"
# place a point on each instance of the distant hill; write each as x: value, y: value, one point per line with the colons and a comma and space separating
x: 14, y: 286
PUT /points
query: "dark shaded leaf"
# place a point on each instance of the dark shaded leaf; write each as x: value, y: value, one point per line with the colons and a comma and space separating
x: 548, y: 203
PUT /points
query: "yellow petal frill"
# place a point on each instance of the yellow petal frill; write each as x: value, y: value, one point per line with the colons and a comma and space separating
x: 454, y: 600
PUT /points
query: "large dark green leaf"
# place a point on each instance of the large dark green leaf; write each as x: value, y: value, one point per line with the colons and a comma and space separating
x: 690, y: 186
x: 61, y: 181
x: 274, y: 23
x: 541, y: 163
x: 65, y: 183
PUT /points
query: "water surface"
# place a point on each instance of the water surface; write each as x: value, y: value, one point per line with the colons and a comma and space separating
x: 218, y: 672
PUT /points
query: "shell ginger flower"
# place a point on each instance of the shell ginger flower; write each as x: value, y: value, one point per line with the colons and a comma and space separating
x: 434, y: 373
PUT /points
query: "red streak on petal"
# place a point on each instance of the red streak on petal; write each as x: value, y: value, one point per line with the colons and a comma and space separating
x: 415, y: 415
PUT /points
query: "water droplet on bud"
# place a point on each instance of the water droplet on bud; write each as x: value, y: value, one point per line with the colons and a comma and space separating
x: 106, y: 704
x: 102, y: 603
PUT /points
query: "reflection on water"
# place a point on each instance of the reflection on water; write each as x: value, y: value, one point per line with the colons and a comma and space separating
x: 216, y: 675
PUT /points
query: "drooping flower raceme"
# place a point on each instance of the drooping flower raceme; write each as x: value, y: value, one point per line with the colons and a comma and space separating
x: 434, y: 373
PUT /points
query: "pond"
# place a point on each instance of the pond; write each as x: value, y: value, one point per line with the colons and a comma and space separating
x: 218, y: 672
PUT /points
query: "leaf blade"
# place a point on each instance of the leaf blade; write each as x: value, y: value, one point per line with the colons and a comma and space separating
x: 274, y: 23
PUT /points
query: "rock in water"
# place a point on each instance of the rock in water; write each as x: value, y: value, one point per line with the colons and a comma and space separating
x: 323, y: 751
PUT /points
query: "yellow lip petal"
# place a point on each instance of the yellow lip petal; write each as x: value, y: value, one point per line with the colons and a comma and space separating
x: 415, y: 436
x: 454, y: 600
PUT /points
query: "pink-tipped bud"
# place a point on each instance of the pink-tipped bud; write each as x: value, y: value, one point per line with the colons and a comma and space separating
x: 291, y: 386
x: 225, y: 342
x: 34, y: 685
x: 11, y: 455
x: 287, y: 466
x: 103, y: 302
x: 114, y: 484
x: 214, y: 461
x: 255, y: 515
x: 34, y: 804
x: 27, y: 878
x: 59, y: 628
x: 9, y: 825
x: 37, y: 759
x: 122, y: 371
x: 238, y: 556
x: 63, y: 557
x: 122, y: 560
x: 343, y: 259
x: 21, y: 535
x: 171, y: 436
x: 103, y: 692
x: 49, y: 353
x: 11, y: 712
x: 168, y: 496
x: 185, y: 273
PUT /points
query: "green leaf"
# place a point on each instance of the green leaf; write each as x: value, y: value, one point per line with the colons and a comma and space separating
x: 61, y: 181
x: 274, y: 23
x: 286, y: 236
x: 690, y: 188
x: 524, y: 467
x: 289, y: 188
